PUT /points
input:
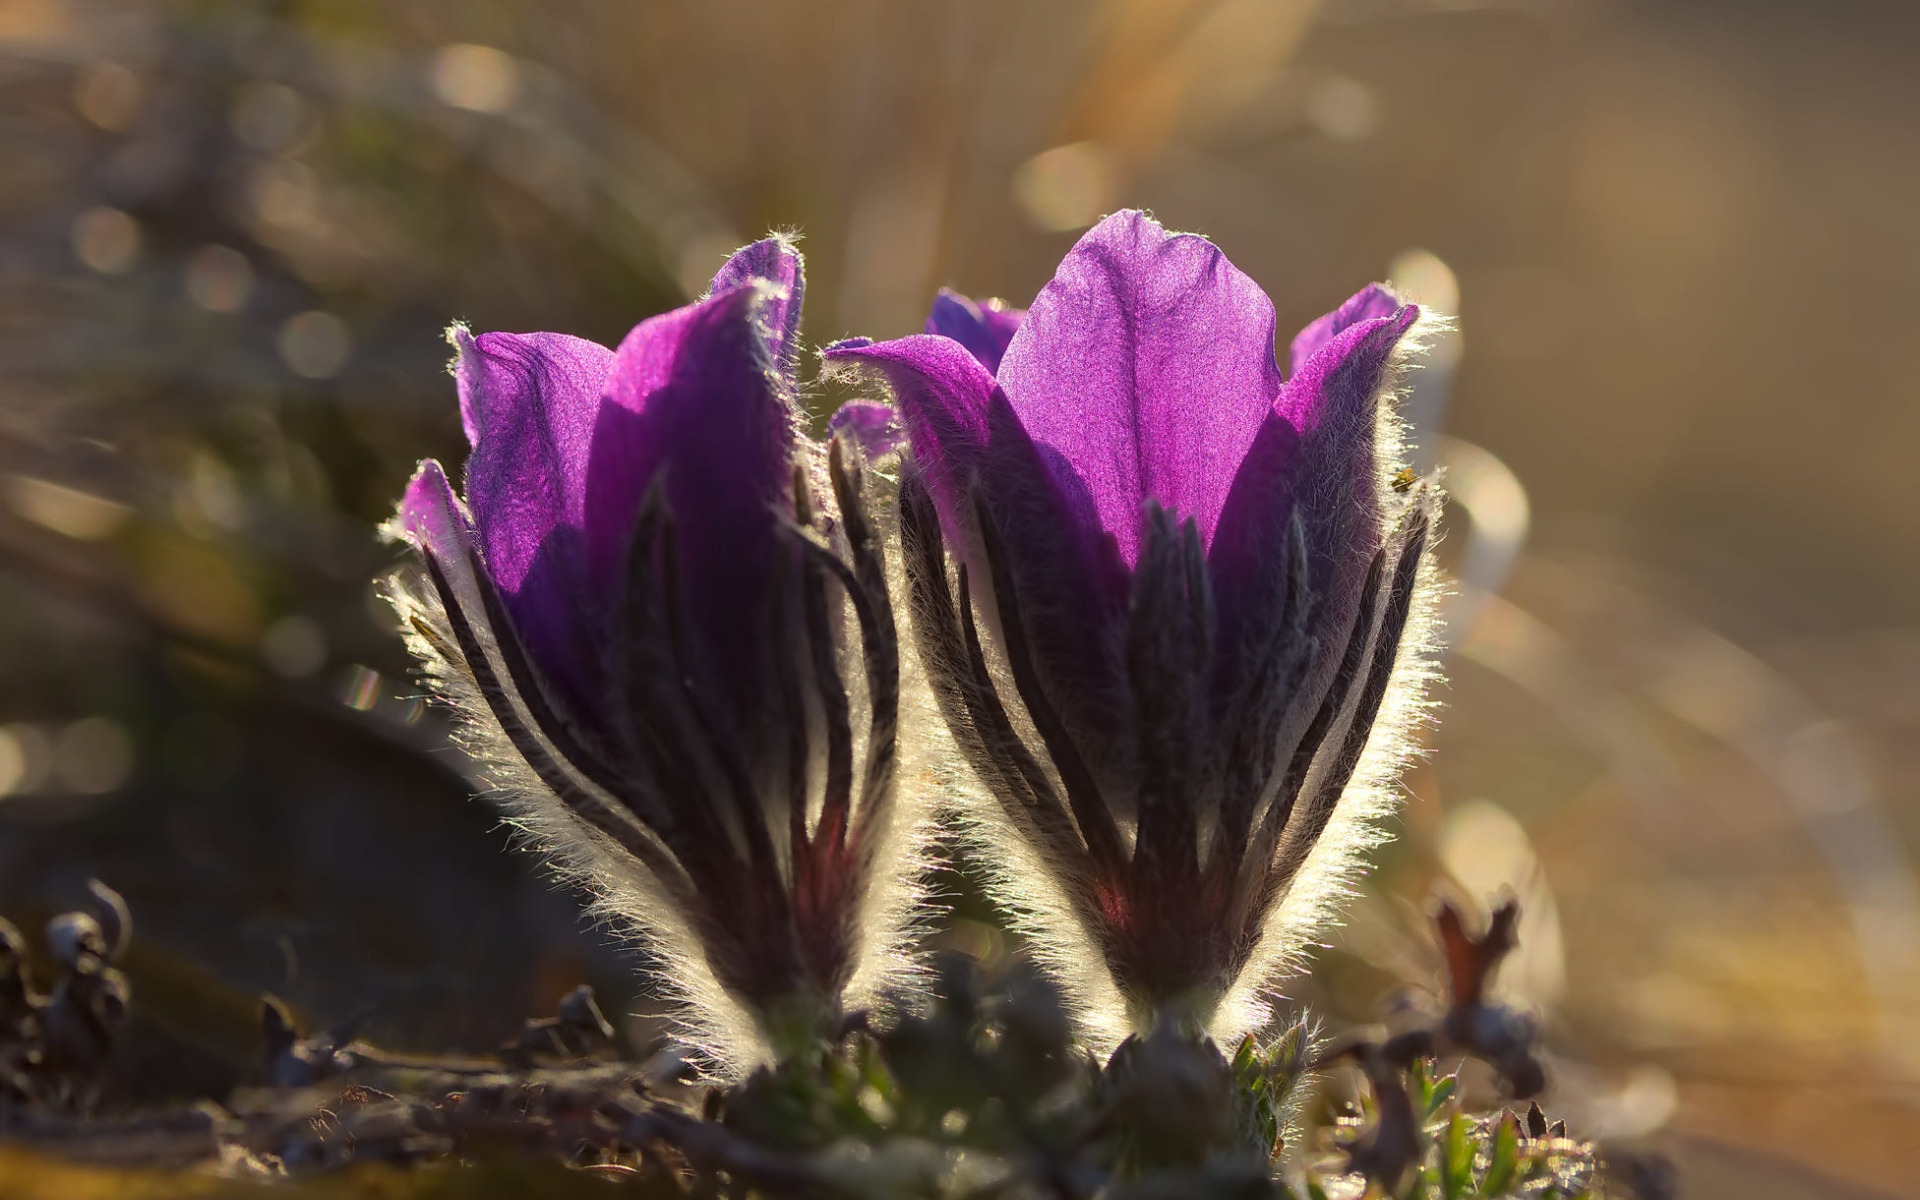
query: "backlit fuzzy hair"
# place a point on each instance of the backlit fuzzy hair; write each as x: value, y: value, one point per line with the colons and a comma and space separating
x: 1319, y: 893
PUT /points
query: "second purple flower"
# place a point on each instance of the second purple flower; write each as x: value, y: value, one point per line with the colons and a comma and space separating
x: 1179, y: 638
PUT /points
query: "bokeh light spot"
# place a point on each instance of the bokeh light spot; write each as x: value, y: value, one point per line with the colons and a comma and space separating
x: 267, y: 116
x: 13, y: 762
x: 315, y: 345
x: 106, y: 239
x: 29, y: 754
x: 208, y: 501
x: 1489, y: 853
x: 1424, y: 277
x: 219, y: 279
x: 284, y: 196
x: 92, y: 756
x: 108, y: 95
x: 294, y: 647
x: 1068, y: 187
x: 1343, y: 109
x: 476, y: 78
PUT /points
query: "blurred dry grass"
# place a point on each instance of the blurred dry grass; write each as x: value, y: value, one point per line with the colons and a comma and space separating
x: 1686, y: 733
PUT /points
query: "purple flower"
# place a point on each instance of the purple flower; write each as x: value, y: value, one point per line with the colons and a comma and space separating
x: 1197, y: 576
x: 645, y: 608
x: 984, y: 327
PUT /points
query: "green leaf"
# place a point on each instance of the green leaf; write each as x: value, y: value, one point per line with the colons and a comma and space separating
x: 1456, y: 1158
x: 1503, y: 1166
x: 1429, y: 1094
x: 1246, y: 1058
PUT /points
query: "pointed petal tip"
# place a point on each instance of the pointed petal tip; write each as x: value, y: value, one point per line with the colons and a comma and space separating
x: 984, y: 327
x: 1141, y: 229
x: 950, y: 308
x: 1341, y: 361
x: 504, y: 377
x: 949, y: 299
x: 460, y: 366
x: 430, y: 517
x: 648, y: 354
x: 775, y: 258
x: 1375, y: 302
x: 916, y: 357
x: 1379, y: 299
x: 1132, y: 220
x: 776, y: 267
x: 941, y: 397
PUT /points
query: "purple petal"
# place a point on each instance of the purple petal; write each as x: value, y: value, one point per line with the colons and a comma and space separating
x: 1335, y: 402
x: 1249, y: 546
x: 690, y: 395
x: 1069, y: 581
x: 941, y: 393
x: 969, y: 443
x: 1315, y: 455
x: 984, y: 328
x: 874, y: 428
x: 529, y: 403
x: 775, y: 263
x: 1374, y: 301
x: 438, y: 525
x: 1338, y: 386
x: 1148, y: 365
x: 432, y: 517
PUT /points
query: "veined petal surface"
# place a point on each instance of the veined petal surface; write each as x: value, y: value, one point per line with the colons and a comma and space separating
x: 1148, y: 365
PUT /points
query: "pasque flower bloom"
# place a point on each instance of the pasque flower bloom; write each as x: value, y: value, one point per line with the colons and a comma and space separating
x: 1180, y: 645
x: 664, y: 617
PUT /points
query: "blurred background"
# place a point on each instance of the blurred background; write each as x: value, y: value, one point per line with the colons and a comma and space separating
x: 1679, y: 420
